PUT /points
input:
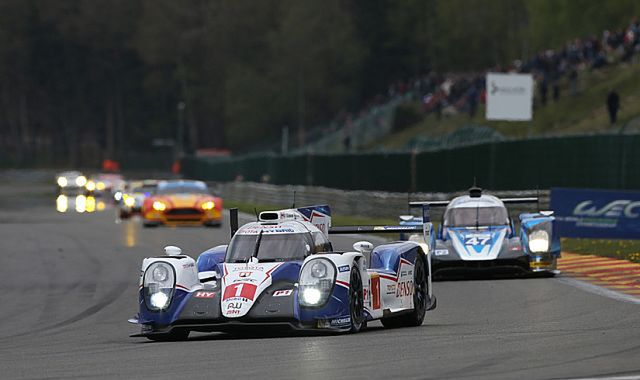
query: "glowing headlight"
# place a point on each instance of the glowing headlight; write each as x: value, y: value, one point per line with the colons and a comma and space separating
x: 90, y: 185
x: 62, y: 182
x: 159, y: 300
x: 539, y: 241
x: 117, y: 196
x: 100, y: 186
x: 317, y: 278
x: 159, y: 206
x: 159, y: 283
x: 129, y: 200
x: 311, y: 296
x: 208, y: 205
x: 81, y: 181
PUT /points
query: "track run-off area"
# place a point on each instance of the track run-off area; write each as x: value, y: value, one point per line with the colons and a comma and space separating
x: 69, y: 284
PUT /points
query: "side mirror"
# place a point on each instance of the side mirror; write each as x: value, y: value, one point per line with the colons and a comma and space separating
x: 172, y: 250
x: 363, y: 247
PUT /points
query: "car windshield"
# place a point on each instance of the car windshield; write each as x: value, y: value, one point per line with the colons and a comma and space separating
x: 183, y: 188
x: 146, y: 189
x: 476, y: 216
x: 273, y: 247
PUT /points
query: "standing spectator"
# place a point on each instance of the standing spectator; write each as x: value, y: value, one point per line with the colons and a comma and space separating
x: 573, y: 81
x: 613, y: 105
x: 544, y: 88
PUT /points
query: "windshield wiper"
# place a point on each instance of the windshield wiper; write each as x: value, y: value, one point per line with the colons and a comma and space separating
x: 257, y: 247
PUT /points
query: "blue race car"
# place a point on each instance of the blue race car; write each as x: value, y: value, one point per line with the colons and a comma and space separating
x: 477, y: 235
x: 281, y: 271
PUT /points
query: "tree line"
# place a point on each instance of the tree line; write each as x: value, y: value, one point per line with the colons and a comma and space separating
x: 89, y: 78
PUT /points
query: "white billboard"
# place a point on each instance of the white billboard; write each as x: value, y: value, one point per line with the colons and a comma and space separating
x: 509, y: 96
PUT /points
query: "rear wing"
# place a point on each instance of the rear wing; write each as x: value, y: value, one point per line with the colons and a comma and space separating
x: 519, y: 200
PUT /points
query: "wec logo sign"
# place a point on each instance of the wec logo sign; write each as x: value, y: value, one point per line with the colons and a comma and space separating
x: 614, y: 209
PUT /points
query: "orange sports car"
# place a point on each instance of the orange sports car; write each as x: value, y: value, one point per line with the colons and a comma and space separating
x: 182, y: 202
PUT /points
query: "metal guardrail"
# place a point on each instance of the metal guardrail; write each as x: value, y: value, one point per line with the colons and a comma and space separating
x: 375, y: 204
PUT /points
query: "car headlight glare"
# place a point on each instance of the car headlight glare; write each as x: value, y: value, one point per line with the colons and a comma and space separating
x: 62, y: 182
x: 129, y: 200
x: 318, y: 269
x: 311, y: 296
x: 91, y: 186
x: 81, y: 181
x: 159, y: 283
x: 539, y: 241
x: 100, y: 186
x: 208, y: 205
x: 317, y: 279
x: 159, y: 206
x: 158, y: 300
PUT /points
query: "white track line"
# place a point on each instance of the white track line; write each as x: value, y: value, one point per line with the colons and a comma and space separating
x: 595, y: 289
x: 630, y: 377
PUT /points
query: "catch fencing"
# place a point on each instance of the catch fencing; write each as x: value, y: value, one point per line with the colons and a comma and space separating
x: 597, y: 161
x: 374, y: 204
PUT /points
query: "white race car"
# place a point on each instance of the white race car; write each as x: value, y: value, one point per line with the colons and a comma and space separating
x: 282, y: 271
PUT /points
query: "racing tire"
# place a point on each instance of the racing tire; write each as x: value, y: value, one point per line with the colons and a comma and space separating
x: 173, y: 336
x: 356, y: 301
x: 149, y: 224
x: 420, y: 294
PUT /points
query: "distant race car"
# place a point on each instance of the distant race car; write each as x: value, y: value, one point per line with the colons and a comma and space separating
x: 281, y: 271
x: 182, y: 202
x: 105, y: 185
x: 477, y: 235
x: 70, y: 181
x: 133, y: 196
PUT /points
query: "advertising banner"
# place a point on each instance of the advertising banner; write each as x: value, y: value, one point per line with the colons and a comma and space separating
x: 600, y: 214
x: 509, y: 96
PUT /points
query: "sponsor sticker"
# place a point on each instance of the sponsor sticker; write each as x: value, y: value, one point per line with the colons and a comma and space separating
x: 244, y: 274
x: 441, y: 252
x: 405, y: 289
x: 338, y: 322
x: 283, y: 293
x: 204, y: 295
x: 343, y: 268
x: 391, y: 289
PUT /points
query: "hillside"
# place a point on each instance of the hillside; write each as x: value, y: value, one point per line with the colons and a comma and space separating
x: 583, y: 113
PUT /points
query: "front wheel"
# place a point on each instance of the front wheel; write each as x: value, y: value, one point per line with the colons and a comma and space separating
x: 356, y: 301
x: 420, y: 295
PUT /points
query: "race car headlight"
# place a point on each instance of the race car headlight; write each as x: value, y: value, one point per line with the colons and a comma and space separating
x: 208, y: 205
x: 159, y: 284
x: 91, y: 186
x: 539, y: 241
x: 81, y: 181
x: 317, y: 278
x: 100, y: 186
x: 62, y: 182
x: 159, y: 206
x: 129, y: 200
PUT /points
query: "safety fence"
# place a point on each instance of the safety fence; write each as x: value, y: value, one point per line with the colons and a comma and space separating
x: 375, y: 204
x: 596, y: 161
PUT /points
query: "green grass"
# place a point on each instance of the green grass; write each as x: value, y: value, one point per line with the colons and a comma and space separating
x: 618, y: 249
x: 586, y: 112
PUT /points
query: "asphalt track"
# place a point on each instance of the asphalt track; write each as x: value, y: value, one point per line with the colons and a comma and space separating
x: 69, y: 283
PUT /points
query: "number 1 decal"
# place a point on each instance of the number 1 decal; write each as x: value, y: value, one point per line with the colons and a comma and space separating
x: 240, y: 290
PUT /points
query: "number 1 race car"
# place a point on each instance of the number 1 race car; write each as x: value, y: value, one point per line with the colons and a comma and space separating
x: 281, y: 271
x: 477, y: 235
